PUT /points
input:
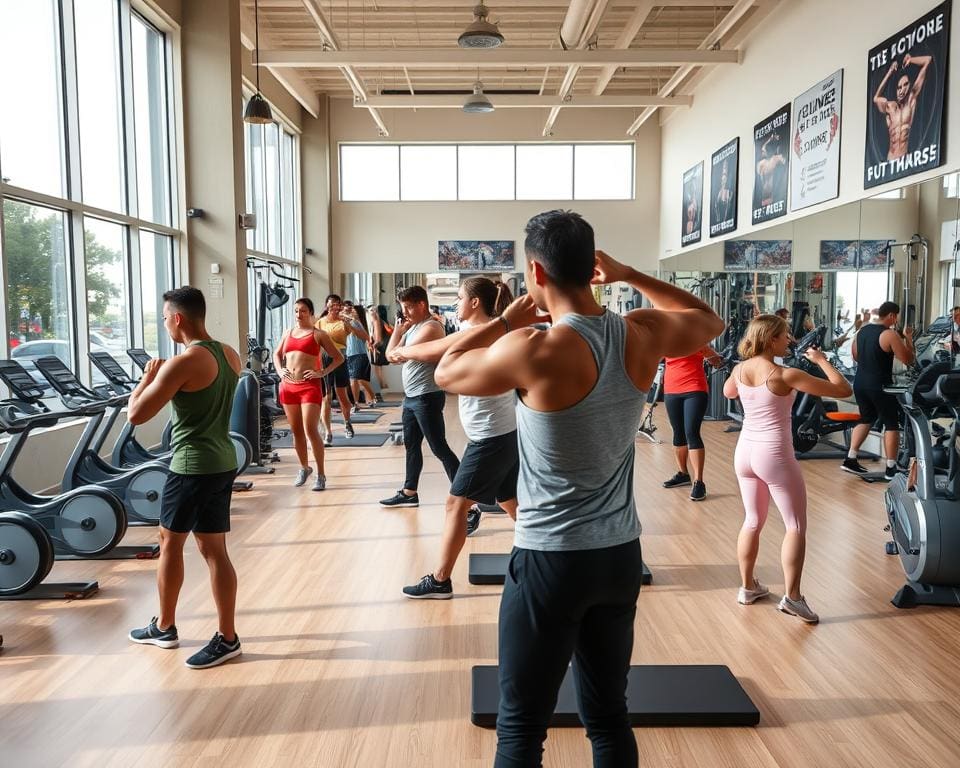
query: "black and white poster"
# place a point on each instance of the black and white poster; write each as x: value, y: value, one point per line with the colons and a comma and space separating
x: 815, y: 170
x: 771, y: 147
x: 692, y: 219
x: 724, y: 173
x: 906, y: 100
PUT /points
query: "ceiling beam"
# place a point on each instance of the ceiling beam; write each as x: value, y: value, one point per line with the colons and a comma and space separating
x: 499, y: 57
x: 495, y: 6
x: 520, y: 101
x: 627, y: 34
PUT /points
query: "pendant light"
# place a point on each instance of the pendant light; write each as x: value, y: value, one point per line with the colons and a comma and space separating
x: 258, y: 110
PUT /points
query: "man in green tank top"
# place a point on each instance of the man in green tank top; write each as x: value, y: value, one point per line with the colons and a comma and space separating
x: 200, y: 382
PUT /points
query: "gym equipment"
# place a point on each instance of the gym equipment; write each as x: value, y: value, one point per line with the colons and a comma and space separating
x: 140, y: 488
x: 492, y: 569
x: 654, y: 396
x: 657, y: 695
x: 924, y: 519
x: 360, y: 440
x: 86, y: 522
x: 26, y: 557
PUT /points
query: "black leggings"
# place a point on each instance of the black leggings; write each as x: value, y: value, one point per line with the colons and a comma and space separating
x: 686, y: 412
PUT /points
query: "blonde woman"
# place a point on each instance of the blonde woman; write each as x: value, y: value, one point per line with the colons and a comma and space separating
x: 765, y: 462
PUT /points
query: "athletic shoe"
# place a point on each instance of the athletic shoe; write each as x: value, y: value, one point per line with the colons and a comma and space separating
x: 302, y: 474
x: 320, y: 484
x: 348, y: 429
x: 853, y: 467
x: 428, y: 588
x: 748, y: 596
x: 400, y: 499
x: 214, y: 653
x: 890, y: 473
x: 473, y: 520
x: 328, y: 439
x: 798, y: 608
x: 681, y: 478
x: 153, y: 635
x: 699, y: 491
x: 378, y: 398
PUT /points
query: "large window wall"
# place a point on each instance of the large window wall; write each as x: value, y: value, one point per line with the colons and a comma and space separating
x: 87, y: 209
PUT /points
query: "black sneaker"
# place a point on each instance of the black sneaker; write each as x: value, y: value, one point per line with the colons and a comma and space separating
x: 214, y: 653
x: 153, y: 635
x: 853, y: 467
x: 890, y: 473
x: 698, y: 492
x: 400, y: 499
x: 378, y: 398
x: 428, y: 588
x: 348, y: 429
x: 473, y: 519
x: 681, y: 478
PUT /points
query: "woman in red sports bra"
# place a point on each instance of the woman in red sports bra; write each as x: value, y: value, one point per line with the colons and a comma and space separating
x: 301, y: 386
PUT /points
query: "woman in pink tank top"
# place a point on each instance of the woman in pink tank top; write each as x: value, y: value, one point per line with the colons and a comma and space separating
x: 765, y: 462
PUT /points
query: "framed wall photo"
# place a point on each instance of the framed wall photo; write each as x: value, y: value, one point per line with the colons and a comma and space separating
x: 757, y: 255
x: 815, y: 169
x: 476, y: 255
x: 870, y: 255
x: 907, y: 100
x: 724, y: 175
x: 692, y: 218
x: 771, y: 170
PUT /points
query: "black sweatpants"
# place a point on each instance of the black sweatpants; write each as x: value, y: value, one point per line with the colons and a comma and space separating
x: 422, y: 417
x: 686, y: 411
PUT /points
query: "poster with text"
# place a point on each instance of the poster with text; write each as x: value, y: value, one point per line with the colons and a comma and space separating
x: 724, y: 173
x: 692, y: 218
x: 815, y: 170
x: 906, y: 100
x: 771, y: 147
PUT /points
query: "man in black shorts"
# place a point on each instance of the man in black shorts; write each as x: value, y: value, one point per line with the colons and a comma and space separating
x: 200, y: 383
x: 874, y: 348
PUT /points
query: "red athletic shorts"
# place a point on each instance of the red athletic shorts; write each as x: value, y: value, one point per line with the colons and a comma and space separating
x: 295, y: 393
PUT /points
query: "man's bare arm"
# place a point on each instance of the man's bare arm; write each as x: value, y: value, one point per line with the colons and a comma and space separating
x: 486, y: 362
x: 878, y: 97
x: 162, y: 379
x: 923, y: 62
x: 427, y: 351
x: 902, y: 348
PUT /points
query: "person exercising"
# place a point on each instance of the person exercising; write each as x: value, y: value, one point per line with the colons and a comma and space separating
x: 874, y: 348
x: 721, y: 206
x: 770, y: 160
x: 338, y: 327
x: 900, y: 112
x: 574, y: 574
x: 200, y: 383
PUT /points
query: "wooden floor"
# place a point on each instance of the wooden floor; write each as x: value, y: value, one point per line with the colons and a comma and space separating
x: 340, y: 670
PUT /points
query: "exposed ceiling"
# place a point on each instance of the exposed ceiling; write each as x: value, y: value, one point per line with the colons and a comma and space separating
x: 403, y: 53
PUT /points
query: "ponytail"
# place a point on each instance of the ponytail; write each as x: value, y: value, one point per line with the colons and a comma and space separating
x: 503, y: 300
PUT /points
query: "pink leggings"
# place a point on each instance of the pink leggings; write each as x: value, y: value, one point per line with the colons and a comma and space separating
x: 765, y: 470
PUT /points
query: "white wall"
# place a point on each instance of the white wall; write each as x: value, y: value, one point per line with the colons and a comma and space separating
x: 402, y: 237
x: 795, y: 47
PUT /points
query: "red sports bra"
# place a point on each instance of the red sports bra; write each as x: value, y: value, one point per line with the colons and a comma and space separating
x: 305, y: 344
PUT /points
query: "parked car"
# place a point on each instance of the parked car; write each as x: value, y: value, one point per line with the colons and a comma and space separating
x: 28, y: 351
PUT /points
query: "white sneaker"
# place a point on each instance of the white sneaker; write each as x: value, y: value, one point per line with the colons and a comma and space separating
x: 798, y: 608
x: 748, y: 596
x: 302, y: 474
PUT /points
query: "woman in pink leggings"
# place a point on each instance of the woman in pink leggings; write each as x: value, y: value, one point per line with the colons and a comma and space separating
x: 765, y: 462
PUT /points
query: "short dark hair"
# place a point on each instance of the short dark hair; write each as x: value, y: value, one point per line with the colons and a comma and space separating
x: 187, y: 301
x: 333, y: 296
x: 562, y: 241
x: 306, y: 302
x: 954, y: 309
x: 888, y: 308
x: 414, y: 294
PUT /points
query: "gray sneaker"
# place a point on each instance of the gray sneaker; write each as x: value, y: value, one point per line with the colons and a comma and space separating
x: 320, y: 484
x: 798, y: 608
x: 748, y: 596
x: 348, y: 430
x: 328, y: 439
x: 302, y: 474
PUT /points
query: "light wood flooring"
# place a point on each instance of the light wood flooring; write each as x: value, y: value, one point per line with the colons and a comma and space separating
x: 340, y: 670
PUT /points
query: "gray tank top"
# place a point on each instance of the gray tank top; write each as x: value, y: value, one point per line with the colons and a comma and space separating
x: 417, y: 377
x: 575, y: 489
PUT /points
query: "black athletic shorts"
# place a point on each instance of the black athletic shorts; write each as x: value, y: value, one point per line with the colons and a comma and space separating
x: 488, y: 470
x: 197, y: 503
x: 358, y: 366
x: 338, y: 377
x: 874, y: 404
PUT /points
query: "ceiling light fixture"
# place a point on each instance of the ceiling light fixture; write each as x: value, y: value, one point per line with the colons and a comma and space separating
x: 478, y: 102
x: 481, y: 33
x: 257, y: 110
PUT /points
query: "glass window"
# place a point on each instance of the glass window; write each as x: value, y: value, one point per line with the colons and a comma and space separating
x: 150, y: 121
x: 271, y: 151
x: 603, y: 172
x: 105, y: 249
x: 156, y: 276
x: 369, y: 172
x: 544, y: 172
x: 37, y: 301
x: 892, y: 194
x: 428, y: 172
x: 486, y: 172
x: 256, y: 238
x: 289, y: 198
x: 31, y: 124
x: 98, y: 100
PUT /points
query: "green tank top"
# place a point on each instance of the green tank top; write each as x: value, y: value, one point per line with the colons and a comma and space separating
x: 201, y: 422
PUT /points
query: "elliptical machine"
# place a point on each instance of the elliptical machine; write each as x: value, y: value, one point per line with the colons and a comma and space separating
x: 924, y: 517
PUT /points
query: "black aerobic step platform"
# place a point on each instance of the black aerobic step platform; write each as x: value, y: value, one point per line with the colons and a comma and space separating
x: 694, y: 695
x: 492, y: 569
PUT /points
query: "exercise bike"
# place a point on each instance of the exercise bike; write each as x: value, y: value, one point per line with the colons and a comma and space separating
x: 924, y: 517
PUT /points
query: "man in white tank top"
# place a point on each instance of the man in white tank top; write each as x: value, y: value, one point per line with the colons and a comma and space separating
x: 577, y: 552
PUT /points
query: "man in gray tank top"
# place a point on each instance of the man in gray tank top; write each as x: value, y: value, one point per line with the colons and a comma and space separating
x: 574, y: 573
